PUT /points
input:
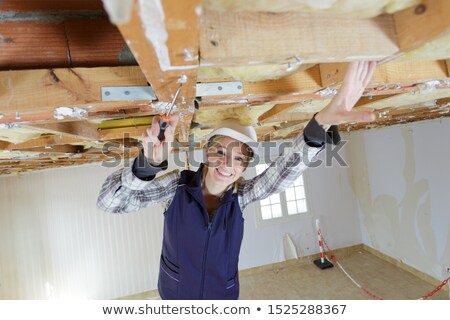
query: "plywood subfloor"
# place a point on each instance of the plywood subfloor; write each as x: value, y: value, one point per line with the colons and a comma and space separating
x: 306, y: 281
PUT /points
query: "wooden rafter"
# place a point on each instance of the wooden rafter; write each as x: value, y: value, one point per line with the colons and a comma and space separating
x: 276, y: 111
x: 165, y: 44
x: 424, y: 25
x: 410, y: 99
x: 75, y: 129
x: 163, y: 36
x: 400, y: 73
x: 34, y: 95
x: 240, y: 38
x: 43, y: 141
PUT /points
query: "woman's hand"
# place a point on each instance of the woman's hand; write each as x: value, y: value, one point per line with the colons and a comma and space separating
x: 157, y: 151
x: 339, y: 110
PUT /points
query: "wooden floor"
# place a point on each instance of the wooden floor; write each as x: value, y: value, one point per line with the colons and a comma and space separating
x: 306, y: 281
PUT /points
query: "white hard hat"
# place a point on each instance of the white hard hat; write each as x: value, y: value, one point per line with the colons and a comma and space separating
x: 232, y: 128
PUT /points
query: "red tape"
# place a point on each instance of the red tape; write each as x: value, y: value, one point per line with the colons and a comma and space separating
x: 333, y: 257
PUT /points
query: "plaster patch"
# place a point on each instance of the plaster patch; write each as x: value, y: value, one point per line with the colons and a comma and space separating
x: 153, y: 20
x: 61, y: 112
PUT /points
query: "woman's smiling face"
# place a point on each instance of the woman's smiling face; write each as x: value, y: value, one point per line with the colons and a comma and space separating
x: 227, y: 159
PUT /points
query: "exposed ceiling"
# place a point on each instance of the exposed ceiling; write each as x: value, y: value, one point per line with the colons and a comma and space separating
x: 271, y: 64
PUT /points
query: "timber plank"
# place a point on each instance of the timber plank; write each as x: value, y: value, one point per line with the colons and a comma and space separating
x: 41, y: 91
x: 241, y: 38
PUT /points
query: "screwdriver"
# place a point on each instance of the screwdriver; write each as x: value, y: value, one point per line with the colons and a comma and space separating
x: 164, y: 123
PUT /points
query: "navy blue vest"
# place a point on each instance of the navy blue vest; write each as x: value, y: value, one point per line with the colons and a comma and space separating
x: 199, y: 257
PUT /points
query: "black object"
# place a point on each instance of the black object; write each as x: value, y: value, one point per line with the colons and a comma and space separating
x: 162, y: 128
x: 323, y: 265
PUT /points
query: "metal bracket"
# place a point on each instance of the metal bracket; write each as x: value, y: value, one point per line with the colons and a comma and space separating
x: 219, y: 88
x: 128, y: 93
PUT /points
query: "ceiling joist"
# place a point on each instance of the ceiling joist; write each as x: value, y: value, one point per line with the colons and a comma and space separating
x: 243, y: 38
x: 289, y: 59
x: 163, y: 36
x: 423, y: 32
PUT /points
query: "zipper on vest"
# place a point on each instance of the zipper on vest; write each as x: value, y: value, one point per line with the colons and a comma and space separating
x: 204, y: 260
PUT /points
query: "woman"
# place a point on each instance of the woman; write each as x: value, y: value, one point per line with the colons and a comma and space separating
x: 203, y: 224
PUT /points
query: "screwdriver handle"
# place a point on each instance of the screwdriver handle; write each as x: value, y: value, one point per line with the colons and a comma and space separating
x: 163, y: 124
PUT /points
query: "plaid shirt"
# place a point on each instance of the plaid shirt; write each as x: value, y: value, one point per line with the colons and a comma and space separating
x: 124, y: 192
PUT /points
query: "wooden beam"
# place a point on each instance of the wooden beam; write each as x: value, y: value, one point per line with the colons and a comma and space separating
x: 43, y: 141
x: 391, y: 73
x: 75, y: 129
x: 292, y: 112
x: 242, y: 38
x: 390, y: 116
x: 298, y: 86
x: 276, y: 111
x: 409, y: 99
x: 306, y: 81
x: 289, y: 129
x: 42, y: 91
x: 390, y: 78
x: 423, y: 32
x: 165, y: 44
x: 158, y: 41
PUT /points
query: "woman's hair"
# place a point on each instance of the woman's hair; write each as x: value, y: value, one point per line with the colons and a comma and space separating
x: 214, y: 140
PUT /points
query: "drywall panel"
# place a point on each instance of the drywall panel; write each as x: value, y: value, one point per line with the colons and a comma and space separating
x: 55, y: 243
x: 331, y: 201
x: 400, y: 177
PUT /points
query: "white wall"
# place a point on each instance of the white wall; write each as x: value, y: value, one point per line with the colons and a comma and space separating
x: 55, y: 243
x: 401, y: 179
x: 331, y: 201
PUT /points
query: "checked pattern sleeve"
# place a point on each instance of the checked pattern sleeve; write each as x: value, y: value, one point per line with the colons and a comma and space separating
x: 123, y: 192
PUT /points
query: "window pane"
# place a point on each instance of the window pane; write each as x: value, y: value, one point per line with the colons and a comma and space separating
x: 290, y: 194
x: 300, y: 192
x: 299, y: 181
x: 292, y: 207
x: 266, y: 212
x: 265, y: 202
x: 274, y: 198
x: 276, y: 211
x: 301, y: 205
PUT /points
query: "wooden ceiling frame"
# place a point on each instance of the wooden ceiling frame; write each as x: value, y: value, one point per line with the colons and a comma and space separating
x: 36, y: 95
x: 33, y: 97
x: 163, y: 36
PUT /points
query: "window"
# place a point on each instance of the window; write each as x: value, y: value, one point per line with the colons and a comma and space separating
x: 288, y: 204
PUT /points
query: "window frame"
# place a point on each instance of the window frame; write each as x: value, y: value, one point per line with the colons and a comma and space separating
x: 285, y: 218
